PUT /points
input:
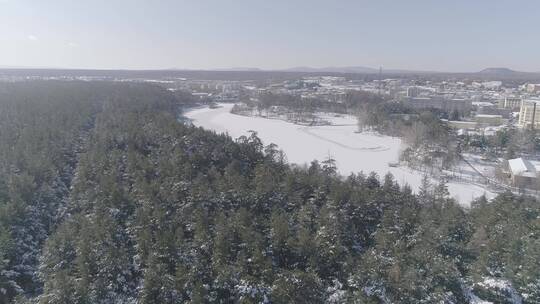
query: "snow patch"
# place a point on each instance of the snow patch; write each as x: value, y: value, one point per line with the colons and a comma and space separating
x: 354, y: 152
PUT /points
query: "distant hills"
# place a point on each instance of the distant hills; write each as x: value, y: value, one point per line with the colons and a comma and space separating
x: 352, y: 69
x: 300, y: 69
x: 339, y: 70
x: 501, y: 72
x: 505, y: 71
x: 251, y: 73
x: 491, y: 71
x: 241, y: 69
x: 494, y: 71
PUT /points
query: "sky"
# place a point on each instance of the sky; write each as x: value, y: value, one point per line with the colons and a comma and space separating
x: 431, y: 35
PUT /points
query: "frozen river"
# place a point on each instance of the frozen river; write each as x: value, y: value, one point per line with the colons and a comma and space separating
x: 353, y: 152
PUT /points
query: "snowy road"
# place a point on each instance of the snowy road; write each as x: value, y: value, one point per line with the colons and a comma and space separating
x: 353, y: 152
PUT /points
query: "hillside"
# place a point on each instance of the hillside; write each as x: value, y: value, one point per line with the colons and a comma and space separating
x: 502, y: 71
x: 106, y: 198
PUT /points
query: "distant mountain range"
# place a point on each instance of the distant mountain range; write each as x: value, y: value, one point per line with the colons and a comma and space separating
x: 343, y: 70
x: 250, y: 73
x: 492, y: 71
x: 496, y: 71
x: 504, y: 72
x: 352, y: 69
x: 240, y: 69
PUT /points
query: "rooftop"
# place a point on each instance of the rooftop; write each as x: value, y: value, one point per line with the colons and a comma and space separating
x: 523, y: 167
x: 488, y: 116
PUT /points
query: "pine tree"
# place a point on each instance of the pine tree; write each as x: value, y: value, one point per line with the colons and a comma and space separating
x: 280, y: 233
x: 441, y: 191
x: 424, y: 192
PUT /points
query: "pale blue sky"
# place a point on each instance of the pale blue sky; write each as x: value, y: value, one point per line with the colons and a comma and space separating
x: 455, y: 35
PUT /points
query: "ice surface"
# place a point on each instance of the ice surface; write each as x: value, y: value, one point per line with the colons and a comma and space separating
x: 353, y: 152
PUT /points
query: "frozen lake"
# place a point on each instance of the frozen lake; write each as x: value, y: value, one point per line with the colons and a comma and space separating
x: 353, y: 152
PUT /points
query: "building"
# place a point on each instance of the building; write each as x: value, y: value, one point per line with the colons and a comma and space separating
x: 463, y: 125
x: 485, y: 120
x: 523, y: 172
x: 510, y: 102
x: 528, y: 114
x: 492, y: 85
x: 484, y: 107
x: 413, y: 91
x: 448, y: 105
x: 533, y: 87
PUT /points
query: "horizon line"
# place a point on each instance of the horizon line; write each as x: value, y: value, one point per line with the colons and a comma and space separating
x: 297, y: 69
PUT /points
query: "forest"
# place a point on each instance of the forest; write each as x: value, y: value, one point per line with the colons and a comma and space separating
x: 106, y: 197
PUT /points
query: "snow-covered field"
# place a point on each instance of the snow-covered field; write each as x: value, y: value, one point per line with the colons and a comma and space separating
x: 353, y: 152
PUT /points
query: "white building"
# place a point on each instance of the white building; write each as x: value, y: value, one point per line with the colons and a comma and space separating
x: 510, y: 102
x: 413, y: 91
x: 533, y: 87
x: 492, y: 85
x: 523, y: 172
x: 528, y: 114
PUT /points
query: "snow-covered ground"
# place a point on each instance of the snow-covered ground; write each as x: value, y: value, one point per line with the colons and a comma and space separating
x: 353, y: 152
